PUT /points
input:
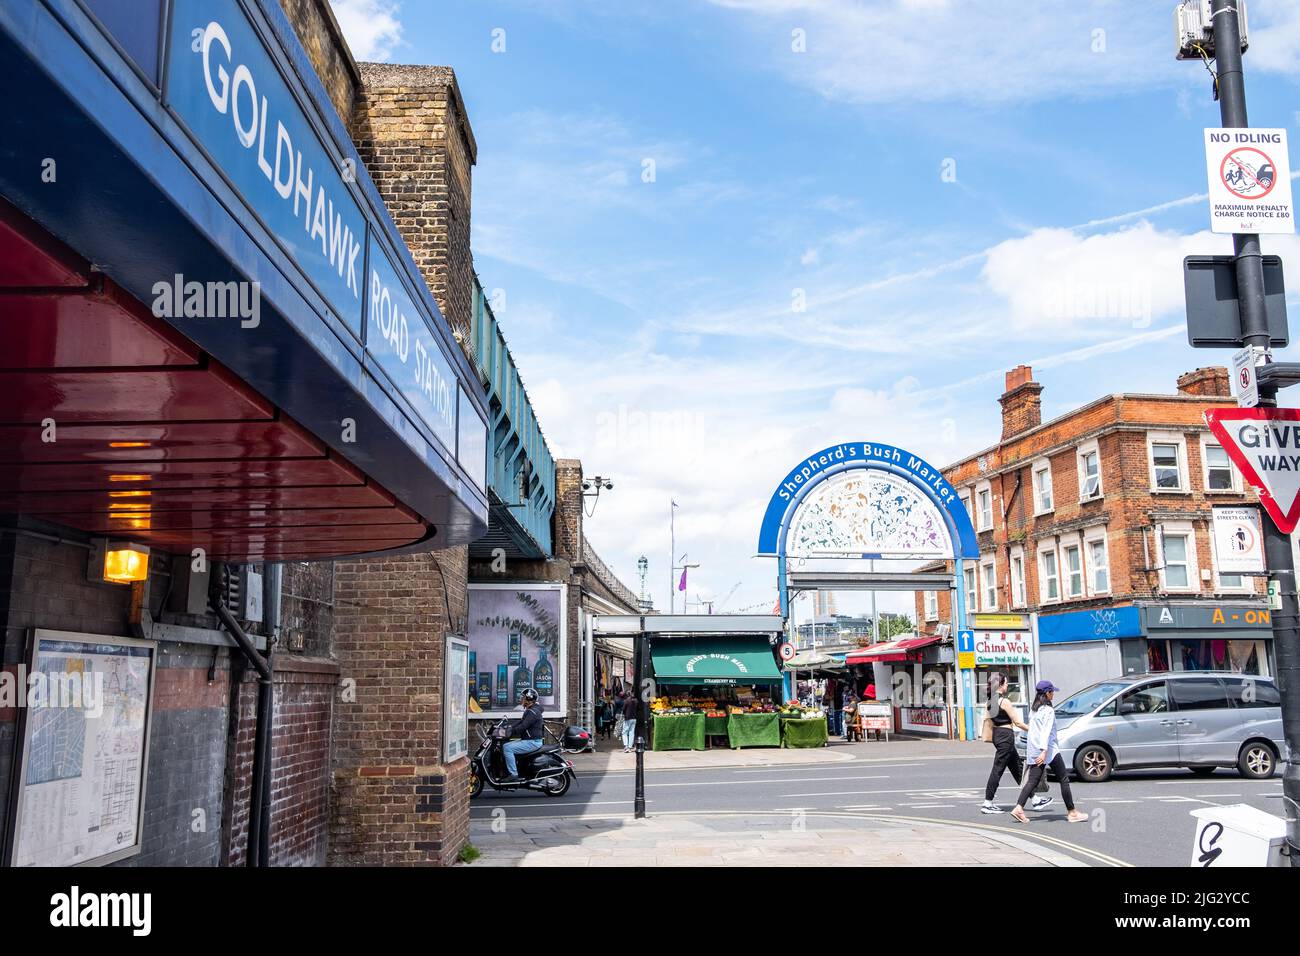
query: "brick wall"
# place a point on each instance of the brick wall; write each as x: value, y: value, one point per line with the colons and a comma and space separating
x: 394, y: 801
x: 303, y: 703
x: 411, y: 130
x: 320, y: 36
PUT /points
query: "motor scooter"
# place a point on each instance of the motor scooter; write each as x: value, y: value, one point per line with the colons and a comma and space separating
x: 543, y: 769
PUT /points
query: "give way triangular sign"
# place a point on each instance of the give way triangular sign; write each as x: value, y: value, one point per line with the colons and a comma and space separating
x: 1264, y: 444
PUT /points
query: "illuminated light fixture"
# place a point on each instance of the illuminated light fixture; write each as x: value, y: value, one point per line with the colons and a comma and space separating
x: 129, y: 494
x: 126, y: 562
x: 129, y: 506
x: 130, y: 477
x: 128, y: 444
x: 133, y: 522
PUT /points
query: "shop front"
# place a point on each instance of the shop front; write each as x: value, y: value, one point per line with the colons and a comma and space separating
x: 916, y: 675
x: 724, y: 690
x: 1004, y: 643
x: 1203, y: 637
x: 1079, y: 648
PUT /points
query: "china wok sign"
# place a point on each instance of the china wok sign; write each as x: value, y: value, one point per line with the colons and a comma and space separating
x: 1002, y: 647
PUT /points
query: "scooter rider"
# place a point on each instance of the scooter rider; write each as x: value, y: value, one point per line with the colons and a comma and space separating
x: 528, y: 729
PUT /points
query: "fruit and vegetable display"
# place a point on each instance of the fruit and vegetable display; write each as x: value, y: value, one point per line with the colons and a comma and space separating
x: 745, y: 703
x: 793, y: 709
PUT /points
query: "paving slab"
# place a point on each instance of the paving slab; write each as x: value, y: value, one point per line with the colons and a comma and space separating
x: 695, y: 839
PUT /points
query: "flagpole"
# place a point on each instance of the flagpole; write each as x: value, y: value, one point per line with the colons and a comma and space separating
x: 672, y: 550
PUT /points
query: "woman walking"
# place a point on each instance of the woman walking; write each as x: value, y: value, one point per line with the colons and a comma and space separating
x: 1004, y: 717
x: 1042, y: 752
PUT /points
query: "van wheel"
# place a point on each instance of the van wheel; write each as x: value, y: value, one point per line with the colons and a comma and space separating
x: 1257, y: 760
x: 1093, y: 763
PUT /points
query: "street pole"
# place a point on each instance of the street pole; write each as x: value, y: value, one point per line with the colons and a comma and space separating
x: 875, y: 618
x: 672, y: 550
x: 642, y: 719
x: 1254, y: 329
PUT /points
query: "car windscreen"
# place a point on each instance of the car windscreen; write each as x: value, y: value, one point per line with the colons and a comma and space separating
x: 1088, y: 699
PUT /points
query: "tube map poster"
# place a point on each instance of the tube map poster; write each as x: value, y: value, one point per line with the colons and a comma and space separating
x: 84, y: 746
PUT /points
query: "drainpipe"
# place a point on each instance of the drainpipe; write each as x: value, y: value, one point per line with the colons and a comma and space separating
x: 259, y: 802
x: 272, y: 577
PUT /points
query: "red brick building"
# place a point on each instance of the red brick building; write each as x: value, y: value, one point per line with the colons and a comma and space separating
x: 1100, y: 521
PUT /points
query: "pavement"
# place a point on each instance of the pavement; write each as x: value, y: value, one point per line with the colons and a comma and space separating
x: 792, y: 839
x: 922, y: 791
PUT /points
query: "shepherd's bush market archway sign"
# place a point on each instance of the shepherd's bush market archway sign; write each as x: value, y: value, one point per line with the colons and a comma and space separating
x: 865, y: 499
x: 861, y: 500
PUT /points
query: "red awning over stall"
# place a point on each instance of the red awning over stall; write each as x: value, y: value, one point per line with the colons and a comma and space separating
x: 899, y: 650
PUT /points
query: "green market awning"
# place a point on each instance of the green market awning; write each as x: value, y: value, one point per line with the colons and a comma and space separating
x: 714, y: 660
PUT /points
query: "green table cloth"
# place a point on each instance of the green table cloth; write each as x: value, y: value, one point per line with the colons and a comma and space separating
x: 715, y: 726
x: 678, y: 732
x: 803, y: 733
x: 754, y: 730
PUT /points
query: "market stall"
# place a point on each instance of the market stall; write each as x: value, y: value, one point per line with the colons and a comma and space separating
x: 678, y: 731
x: 803, y: 727
x: 727, y: 687
x: 825, y: 672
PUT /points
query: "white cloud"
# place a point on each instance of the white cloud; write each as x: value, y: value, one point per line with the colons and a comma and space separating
x: 1056, y: 281
x: 371, y: 27
x: 1274, y: 36
x: 886, y: 51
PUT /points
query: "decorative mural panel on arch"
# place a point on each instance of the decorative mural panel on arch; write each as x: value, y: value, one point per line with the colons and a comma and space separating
x: 864, y: 512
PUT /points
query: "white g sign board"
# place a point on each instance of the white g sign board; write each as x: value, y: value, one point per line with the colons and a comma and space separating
x: 1237, y: 835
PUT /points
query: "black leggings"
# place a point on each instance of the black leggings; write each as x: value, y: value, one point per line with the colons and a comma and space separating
x: 1036, y: 771
x: 1006, y: 758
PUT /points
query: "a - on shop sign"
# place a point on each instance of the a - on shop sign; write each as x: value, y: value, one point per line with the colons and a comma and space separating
x: 1249, y: 175
x: 1264, y: 444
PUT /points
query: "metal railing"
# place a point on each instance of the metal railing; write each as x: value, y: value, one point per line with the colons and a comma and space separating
x: 522, y: 470
x: 607, y: 577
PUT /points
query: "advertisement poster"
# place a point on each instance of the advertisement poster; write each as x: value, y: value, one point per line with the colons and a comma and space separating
x: 84, y: 737
x: 516, y: 641
x: 455, y: 724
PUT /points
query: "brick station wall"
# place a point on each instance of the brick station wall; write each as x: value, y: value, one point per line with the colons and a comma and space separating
x: 303, y: 702
x: 410, y: 127
x: 393, y: 799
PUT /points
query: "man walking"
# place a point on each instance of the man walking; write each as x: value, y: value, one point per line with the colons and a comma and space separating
x: 629, y: 721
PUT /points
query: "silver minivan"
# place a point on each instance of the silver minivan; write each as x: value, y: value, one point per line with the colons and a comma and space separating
x: 1194, y: 719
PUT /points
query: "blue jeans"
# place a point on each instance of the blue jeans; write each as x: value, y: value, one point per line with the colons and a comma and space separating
x: 515, y: 747
x: 629, y: 732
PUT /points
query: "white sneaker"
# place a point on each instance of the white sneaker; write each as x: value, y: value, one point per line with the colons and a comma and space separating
x: 1040, y: 803
x: 990, y: 807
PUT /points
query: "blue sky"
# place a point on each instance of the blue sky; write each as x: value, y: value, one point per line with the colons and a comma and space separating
x: 727, y: 233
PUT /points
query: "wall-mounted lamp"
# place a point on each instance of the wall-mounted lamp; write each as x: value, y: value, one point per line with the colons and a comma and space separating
x: 125, y: 562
